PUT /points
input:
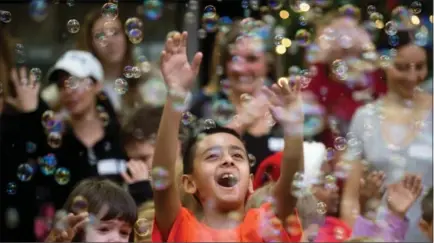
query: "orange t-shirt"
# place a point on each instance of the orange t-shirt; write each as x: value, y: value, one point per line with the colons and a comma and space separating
x: 259, y: 225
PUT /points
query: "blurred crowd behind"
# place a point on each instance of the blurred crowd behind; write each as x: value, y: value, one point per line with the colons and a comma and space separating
x: 81, y: 96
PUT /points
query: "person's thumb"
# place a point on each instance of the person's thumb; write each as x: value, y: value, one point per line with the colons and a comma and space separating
x: 12, y: 101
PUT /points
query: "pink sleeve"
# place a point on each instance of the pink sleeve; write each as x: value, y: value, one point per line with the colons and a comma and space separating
x: 394, y: 228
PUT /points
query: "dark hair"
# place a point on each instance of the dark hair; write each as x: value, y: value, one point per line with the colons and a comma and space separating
x: 101, y: 193
x: 190, y: 145
x: 404, y: 37
x: 141, y: 125
x: 6, y: 63
x: 427, y: 207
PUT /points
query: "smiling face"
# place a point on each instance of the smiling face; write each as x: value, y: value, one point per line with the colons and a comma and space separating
x: 408, y: 70
x: 247, y: 66
x: 109, y: 41
x: 109, y: 231
x: 220, y: 172
x: 77, y: 95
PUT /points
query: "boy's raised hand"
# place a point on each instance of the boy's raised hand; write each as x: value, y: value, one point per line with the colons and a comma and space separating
x: 178, y: 73
x: 401, y: 195
x: 286, y: 104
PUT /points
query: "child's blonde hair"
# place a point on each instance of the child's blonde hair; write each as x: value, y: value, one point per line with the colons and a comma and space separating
x: 146, y: 213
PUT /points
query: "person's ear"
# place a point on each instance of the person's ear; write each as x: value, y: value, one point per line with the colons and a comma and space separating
x: 188, y: 184
x: 98, y: 86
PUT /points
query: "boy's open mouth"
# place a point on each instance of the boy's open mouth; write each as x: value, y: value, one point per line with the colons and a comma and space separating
x: 227, y: 180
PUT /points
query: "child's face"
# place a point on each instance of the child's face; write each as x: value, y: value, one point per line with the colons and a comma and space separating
x: 426, y: 228
x: 109, y: 231
x: 221, y: 171
x: 141, y: 150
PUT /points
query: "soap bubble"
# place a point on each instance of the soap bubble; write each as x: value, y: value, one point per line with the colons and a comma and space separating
x: 73, y: 26
x: 54, y: 139
x: 47, y: 164
x: 5, y: 16
x: 110, y: 10
x: 143, y: 227
x: 62, y: 176
x: 416, y: 7
x: 187, y: 118
x: 160, y: 178
x: 79, y: 204
x: 303, y: 37
x: 391, y: 28
x: 25, y: 172
x: 153, y: 9
x: 121, y: 86
x: 11, y: 188
x: 321, y: 208
x: 38, y: 10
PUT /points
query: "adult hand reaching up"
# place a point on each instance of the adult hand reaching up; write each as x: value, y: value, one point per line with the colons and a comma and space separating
x: 402, y: 195
x: 178, y: 73
x: 27, y: 89
x: 286, y: 105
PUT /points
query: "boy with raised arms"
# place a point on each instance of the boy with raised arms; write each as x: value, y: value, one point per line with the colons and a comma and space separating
x: 216, y: 167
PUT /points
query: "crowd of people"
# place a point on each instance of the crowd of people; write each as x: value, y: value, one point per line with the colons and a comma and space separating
x: 112, y: 149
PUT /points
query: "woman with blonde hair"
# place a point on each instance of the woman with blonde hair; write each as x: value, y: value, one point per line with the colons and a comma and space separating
x: 242, y: 63
x: 394, y: 133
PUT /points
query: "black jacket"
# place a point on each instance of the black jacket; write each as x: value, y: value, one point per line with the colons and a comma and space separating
x: 23, y: 140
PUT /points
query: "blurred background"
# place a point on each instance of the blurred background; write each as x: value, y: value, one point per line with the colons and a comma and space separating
x: 41, y: 25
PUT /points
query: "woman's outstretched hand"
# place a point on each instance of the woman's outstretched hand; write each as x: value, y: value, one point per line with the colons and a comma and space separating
x: 286, y: 104
x: 27, y: 89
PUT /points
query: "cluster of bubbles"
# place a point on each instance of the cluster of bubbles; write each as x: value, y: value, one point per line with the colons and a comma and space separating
x: 54, y: 128
x: 133, y: 29
x: 47, y: 165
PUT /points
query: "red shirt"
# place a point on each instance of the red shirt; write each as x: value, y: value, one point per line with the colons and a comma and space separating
x: 340, y: 100
x: 258, y: 225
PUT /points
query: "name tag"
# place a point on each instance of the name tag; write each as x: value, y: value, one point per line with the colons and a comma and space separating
x: 276, y: 144
x: 420, y: 151
x: 111, y: 166
x: 363, y: 95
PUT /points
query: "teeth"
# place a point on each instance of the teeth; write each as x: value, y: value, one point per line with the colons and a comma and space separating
x: 245, y: 79
x: 227, y: 176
